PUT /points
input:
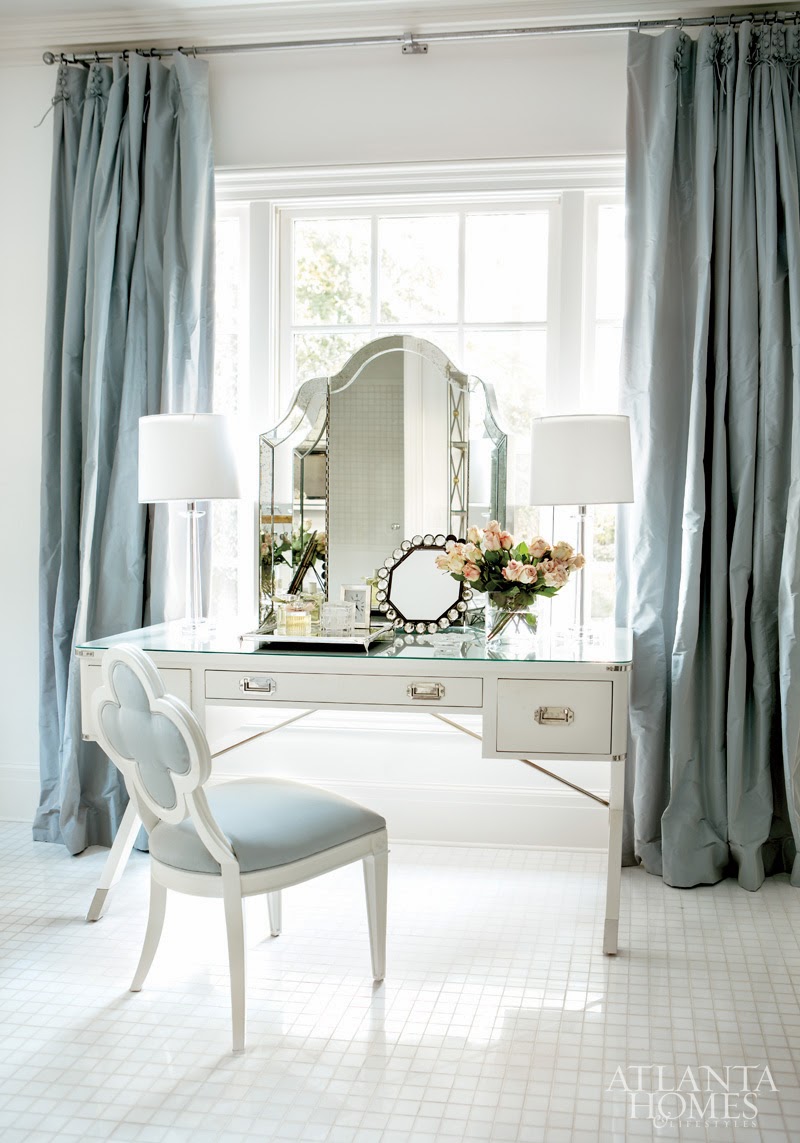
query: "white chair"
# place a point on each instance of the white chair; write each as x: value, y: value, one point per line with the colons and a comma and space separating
x: 232, y: 840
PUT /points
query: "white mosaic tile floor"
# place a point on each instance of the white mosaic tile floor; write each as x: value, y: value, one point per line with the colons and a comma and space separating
x: 500, y: 1019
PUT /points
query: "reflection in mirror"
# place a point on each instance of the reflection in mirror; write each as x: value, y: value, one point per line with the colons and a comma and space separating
x: 488, y: 457
x: 292, y: 504
x: 418, y: 589
x: 398, y: 442
x: 393, y: 437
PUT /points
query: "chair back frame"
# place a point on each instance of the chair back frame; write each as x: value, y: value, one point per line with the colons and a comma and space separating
x: 190, y: 798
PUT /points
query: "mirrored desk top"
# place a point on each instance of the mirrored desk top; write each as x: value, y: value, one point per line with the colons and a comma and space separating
x: 609, y: 645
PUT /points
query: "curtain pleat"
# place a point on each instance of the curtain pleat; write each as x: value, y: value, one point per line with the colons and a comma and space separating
x: 129, y: 333
x: 710, y: 380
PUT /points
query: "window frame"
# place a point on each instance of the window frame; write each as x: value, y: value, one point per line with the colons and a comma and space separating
x: 267, y: 200
x: 594, y: 202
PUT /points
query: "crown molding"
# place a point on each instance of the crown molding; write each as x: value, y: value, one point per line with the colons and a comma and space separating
x: 24, y: 38
x: 479, y: 176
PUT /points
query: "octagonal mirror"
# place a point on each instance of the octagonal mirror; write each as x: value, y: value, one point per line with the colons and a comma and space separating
x: 414, y: 594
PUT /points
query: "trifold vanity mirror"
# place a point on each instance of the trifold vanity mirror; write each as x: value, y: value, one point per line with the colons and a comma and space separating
x: 400, y: 442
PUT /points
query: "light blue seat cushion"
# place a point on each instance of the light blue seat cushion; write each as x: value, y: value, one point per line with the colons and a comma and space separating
x: 269, y: 822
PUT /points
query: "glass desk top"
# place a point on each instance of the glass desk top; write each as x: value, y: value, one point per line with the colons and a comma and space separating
x: 608, y: 645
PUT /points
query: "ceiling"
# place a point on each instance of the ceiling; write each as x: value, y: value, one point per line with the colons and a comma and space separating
x: 27, y: 27
x: 562, y: 9
x: 24, y: 9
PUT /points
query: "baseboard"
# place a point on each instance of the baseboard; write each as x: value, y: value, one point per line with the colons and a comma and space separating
x: 399, y: 842
x: 19, y: 793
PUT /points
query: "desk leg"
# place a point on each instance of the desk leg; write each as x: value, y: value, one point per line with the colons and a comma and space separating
x: 615, y: 804
x: 116, y: 861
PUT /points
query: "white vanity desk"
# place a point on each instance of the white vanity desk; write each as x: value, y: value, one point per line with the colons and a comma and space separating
x: 564, y: 701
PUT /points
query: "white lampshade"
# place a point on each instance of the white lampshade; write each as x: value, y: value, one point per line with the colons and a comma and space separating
x: 583, y: 459
x: 187, y: 456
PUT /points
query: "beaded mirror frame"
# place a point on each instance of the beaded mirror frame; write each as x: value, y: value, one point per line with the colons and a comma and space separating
x: 393, y: 592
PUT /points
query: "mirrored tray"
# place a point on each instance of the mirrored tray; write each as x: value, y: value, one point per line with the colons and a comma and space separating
x: 362, y: 637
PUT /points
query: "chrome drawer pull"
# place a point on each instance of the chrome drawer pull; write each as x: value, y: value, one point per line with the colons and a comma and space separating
x: 425, y: 690
x: 260, y: 683
x: 554, y: 715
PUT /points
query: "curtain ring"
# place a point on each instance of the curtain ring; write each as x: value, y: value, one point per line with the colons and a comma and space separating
x: 194, y: 52
x: 97, y: 57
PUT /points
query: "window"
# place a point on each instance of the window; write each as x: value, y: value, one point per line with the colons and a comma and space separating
x: 478, y: 281
x: 524, y: 290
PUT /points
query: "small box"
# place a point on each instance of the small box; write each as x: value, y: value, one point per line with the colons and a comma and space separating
x: 337, y: 617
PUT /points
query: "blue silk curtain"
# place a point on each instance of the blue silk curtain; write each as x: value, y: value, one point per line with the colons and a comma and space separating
x: 129, y: 332
x: 711, y: 379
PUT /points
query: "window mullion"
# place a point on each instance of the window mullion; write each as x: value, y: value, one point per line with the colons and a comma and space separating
x: 374, y: 273
x: 462, y: 280
x: 563, y: 391
x: 589, y: 380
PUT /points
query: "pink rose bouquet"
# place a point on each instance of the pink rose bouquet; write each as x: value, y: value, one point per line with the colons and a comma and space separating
x: 512, y: 572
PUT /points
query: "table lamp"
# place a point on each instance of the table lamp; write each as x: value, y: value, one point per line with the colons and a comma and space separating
x: 189, y: 457
x: 582, y: 459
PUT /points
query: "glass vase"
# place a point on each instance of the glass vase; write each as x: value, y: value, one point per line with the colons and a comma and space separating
x: 510, y: 622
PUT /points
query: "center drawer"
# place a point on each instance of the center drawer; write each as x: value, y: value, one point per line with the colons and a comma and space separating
x: 418, y: 691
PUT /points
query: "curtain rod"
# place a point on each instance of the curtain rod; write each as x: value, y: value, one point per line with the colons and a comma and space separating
x: 412, y: 45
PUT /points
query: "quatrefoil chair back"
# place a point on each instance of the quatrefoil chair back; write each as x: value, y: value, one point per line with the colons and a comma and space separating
x: 233, y: 840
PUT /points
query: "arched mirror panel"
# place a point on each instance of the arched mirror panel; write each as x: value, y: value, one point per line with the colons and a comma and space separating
x: 399, y: 442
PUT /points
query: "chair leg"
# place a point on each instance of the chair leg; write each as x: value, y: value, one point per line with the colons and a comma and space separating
x: 275, y: 913
x: 155, y: 923
x: 234, y: 924
x: 376, y: 870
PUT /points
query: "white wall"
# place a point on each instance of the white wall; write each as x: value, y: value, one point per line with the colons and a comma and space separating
x: 499, y: 99
x: 24, y: 194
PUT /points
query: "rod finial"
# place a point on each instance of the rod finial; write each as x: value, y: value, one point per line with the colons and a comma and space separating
x: 49, y: 57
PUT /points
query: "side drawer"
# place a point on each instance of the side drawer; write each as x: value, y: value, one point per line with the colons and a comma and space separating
x: 558, y: 716
x: 418, y: 691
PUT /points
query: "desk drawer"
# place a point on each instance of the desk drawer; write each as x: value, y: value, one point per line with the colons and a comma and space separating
x: 558, y: 716
x: 417, y: 691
